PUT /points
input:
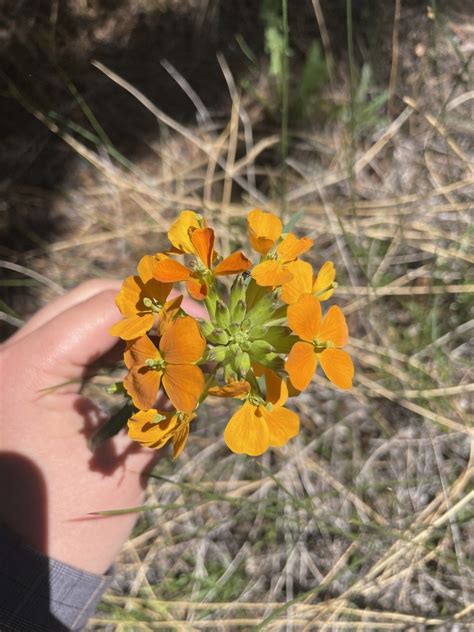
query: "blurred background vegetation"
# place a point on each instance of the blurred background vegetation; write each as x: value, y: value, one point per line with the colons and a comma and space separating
x: 118, y: 114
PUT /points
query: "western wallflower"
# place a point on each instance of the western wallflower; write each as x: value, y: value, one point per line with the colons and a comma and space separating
x: 304, y: 282
x: 188, y: 237
x: 321, y: 339
x: 142, y: 301
x: 259, y: 423
x: 260, y: 342
x: 153, y: 428
x: 265, y: 231
x: 172, y: 364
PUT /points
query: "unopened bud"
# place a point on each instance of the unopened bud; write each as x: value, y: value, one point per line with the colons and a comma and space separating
x: 246, y: 325
x: 237, y: 293
x: 242, y: 363
x: 238, y: 313
x: 217, y: 354
x: 260, y: 348
x: 206, y: 328
x: 229, y: 373
x: 219, y: 336
x: 222, y: 315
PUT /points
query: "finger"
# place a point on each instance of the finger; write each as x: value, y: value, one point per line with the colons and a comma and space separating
x: 79, y: 294
x: 74, y: 338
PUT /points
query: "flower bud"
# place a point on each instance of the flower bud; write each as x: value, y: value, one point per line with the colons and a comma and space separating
x: 217, y: 354
x: 219, y: 336
x: 246, y: 325
x: 229, y: 373
x: 237, y: 293
x: 260, y: 348
x: 238, y: 313
x: 242, y: 363
x: 206, y: 328
x: 222, y: 315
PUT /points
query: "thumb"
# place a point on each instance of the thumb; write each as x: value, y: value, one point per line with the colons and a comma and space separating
x: 74, y: 338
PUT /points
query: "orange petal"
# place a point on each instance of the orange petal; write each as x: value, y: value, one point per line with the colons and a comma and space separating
x: 133, y: 326
x: 231, y: 389
x: 197, y: 289
x: 180, y: 232
x: 128, y: 298
x: 338, y: 367
x: 184, y: 384
x: 271, y: 273
x: 171, y: 271
x: 264, y: 230
x: 247, y: 431
x: 277, y: 391
x: 146, y: 267
x: 183, y: 342
x: 301, y: 364
x: 140, y: 350
x: 326, y: 277
x: 168, y: 314
x: 292, y: 247
x: 301, y: 283
x: 304, y: 317
x: 143, y: 429
x: 180, y: 438
x: 283, y: 425
x: 203, y: 241
x: 334, y: 327
x: 233, y: 264
x: 142, y: 384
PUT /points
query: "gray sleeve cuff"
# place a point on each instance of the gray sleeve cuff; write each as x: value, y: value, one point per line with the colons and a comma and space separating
x: 38, y: 593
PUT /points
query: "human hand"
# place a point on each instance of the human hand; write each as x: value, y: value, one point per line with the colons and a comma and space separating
x: 43, y: 435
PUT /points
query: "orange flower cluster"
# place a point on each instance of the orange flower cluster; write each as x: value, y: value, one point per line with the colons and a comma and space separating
x: 261, y: 343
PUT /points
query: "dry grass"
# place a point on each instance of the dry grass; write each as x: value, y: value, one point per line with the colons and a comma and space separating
x: 364, y: 521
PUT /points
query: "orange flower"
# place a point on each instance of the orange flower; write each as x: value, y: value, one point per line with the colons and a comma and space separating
x: 142, y: 300
x: 200, y: 242
x: 259, y: 424
x: 264, y: 230
x: 321, y: 338
x: 153, y: 429
x: 180, y: 232
x: 303, y: 282
x: 172, y: 364
x: 264, y: 234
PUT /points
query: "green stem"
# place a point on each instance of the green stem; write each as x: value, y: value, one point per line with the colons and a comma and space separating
x: 208, y: 383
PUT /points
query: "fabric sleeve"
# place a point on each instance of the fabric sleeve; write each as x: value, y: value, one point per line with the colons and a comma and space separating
x: 38, y: 593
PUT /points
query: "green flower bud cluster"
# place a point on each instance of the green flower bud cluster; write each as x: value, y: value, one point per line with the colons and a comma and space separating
x: 247, y: 329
